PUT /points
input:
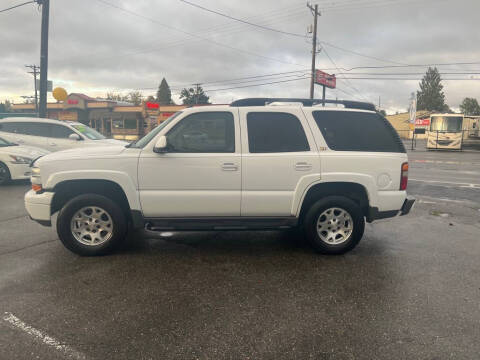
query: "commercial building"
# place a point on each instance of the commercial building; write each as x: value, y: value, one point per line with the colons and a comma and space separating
x: 119, y: 120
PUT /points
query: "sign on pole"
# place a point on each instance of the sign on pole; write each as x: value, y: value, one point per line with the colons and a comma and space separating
x: 413, y: 108
x: 49, y: 85
x: 327, y: 80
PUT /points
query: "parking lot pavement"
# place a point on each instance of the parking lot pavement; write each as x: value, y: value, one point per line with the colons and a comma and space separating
x: 409, y: 290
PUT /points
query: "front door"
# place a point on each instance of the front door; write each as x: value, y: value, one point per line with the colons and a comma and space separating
x: 280, y: 156
x: 200, y: 174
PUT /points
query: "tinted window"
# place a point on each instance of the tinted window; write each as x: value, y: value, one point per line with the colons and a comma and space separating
x: 29, y: 128
x: 10, y: 127
x: 357, y: 131
x: 61, y: 132
x: 206, y: 132
x: 275, y: 132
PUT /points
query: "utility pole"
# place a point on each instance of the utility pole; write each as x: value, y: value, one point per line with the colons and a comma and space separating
x: 314, y: 9
x: 34, y: 73
x: 42, y: 109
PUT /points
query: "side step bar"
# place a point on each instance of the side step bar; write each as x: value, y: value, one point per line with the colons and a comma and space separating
x: 220, y: 223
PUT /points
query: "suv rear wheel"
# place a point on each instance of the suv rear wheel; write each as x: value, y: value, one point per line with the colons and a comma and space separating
x: 334, y: 225
x: 91, y: 225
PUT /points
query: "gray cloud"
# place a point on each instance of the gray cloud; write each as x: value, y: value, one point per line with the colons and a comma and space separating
x: 95, y: 48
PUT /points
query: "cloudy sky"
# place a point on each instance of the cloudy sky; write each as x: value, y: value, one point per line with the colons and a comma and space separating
x: 98, y: 46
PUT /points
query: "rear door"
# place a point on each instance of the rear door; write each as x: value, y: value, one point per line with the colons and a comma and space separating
x: 279, y: 154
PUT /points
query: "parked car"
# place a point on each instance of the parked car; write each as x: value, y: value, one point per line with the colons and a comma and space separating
x: 15, y: 160
x: 297, y: 164
x: 52, y: 135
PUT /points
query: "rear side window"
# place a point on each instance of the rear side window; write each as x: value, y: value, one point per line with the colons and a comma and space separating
x: 270, y: 132
x: 357, y: 131
x: 10, y: 127
x: 35, y: 129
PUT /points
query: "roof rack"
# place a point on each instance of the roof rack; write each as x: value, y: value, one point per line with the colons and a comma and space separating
x: 306, y: 102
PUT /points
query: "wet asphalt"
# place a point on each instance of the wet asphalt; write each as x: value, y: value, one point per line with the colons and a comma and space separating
x: 410, y: 290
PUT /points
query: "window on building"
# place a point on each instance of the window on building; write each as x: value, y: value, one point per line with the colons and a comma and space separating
x: 206, y: 132
x: 270, y: 132
x: 357, y: 131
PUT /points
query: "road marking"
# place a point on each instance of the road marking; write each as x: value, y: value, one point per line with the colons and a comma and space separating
x: 46, y: 339
x: 472, y: 186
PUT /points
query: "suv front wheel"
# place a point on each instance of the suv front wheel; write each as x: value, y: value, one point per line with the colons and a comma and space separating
x: 91, y: 224
x: 334, y: 225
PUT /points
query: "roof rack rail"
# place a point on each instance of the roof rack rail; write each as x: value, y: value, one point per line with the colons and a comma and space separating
x: 306, y: 102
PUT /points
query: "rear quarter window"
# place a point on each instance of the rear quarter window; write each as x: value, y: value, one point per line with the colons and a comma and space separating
x: 357, y: 131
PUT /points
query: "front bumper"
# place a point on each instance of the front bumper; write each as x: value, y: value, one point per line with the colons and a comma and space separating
x: 39, y: 206
x: 19, y: 171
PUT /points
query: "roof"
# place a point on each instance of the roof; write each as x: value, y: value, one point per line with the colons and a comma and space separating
x: 35, y: 119
x: 83, y: 97
x: 349, y: 104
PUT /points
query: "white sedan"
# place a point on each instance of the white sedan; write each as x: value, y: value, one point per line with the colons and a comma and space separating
x: 15, y: 160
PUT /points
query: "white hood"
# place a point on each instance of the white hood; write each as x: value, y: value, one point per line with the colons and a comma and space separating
x: 85, y: 152
x: 25, y: 151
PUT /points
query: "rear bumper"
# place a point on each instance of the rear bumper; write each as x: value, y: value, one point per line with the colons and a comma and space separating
x: 374, y: 214
x: 38, y: 206
x: 407, y: 205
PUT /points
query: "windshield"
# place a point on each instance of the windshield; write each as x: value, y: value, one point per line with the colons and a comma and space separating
x: 88, y: 132
x: 146, y: 139
x: 4, y: 142
x: 446, y: 123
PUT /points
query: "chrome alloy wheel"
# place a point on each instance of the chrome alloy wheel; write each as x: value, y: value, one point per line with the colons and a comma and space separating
x: 91, y: 226
x: 334, y: 226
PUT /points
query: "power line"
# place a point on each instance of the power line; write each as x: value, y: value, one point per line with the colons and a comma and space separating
x: 194, y: 35
x: 253, y: 85
x: 360, y: 54
x: 16, y: 6
x: 242, y: 21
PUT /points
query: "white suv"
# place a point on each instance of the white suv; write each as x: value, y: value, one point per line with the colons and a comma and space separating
x: 256, y: 164
x: 52, y: 135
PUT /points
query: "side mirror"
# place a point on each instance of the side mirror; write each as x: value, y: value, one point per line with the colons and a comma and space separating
x: 75, y: 137
x: 161, y: 145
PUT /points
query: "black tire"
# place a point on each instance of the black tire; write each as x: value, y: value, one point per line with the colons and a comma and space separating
x: 118, y: 219
x: 4, y: 174
x: 317, y: 209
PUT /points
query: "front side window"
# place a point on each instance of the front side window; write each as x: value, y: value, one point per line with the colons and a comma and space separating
x: 357, y: 131
x: 60, y: 131
x: 270, y: 132
x: 205, y: 132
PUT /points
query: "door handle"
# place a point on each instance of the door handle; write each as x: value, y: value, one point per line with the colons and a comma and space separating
x: 303, y: 166
x: 53, y: 144
x: 229, y: 167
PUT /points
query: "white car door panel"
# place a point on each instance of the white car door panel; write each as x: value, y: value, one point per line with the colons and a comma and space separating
x: 272, y: 166
x: 194, y: 184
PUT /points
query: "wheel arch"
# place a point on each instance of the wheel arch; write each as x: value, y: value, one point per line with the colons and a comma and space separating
x: 67, y: 189
x: 354, y: 191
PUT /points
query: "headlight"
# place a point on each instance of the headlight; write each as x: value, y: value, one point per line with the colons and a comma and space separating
x: 20, y: 159
x: 36, y: 179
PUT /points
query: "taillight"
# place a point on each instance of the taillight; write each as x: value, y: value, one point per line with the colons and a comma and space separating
x: 404, y: 176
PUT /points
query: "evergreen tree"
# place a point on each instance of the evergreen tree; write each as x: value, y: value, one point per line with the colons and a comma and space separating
x: 431, y: 96
x: 194, y: 96
x: 469, y: 106
x: 164, y: 95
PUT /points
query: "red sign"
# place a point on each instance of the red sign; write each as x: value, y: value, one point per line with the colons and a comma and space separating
x: 151, y: 105
x: 72, y: 102
x: 327, y: 80
x: 422, y: 122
